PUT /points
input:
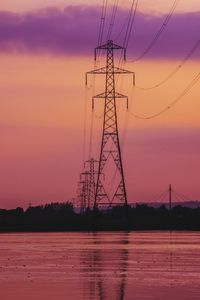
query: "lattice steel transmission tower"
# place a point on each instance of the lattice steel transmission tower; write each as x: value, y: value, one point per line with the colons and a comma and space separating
x: 110, y: 144
x: 83, y: 191
x: 87, y: 186
x: 91, y: 181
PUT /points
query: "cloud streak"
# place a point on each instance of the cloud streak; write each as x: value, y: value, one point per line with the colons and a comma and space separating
x: 74, y: 31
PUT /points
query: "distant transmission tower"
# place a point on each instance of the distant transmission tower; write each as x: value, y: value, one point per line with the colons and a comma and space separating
x: 87, y: 186
x: 83, y: 191
x: 91, y: 181
x: 110, y: 152
x: 170, y: 196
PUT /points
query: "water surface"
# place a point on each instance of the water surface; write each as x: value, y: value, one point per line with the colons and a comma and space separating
x: 111, y: 265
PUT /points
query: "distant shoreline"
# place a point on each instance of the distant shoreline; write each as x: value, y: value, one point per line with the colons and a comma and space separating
x: 109, y: 230
x: 61, y: 217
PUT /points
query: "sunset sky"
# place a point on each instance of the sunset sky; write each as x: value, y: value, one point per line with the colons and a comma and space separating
x: 45, y: 49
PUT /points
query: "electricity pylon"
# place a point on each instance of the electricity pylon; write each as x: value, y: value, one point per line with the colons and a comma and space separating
x: 87, y: 186
x: 91, y: 181
x: 83, y: 191
x: 170, y: 196
x: 110, y: 144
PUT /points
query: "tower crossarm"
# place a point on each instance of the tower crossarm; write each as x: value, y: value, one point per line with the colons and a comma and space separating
x: 84, y: 175
x: 109, y: 96
x: 103, y: 71
x: 109, y: 44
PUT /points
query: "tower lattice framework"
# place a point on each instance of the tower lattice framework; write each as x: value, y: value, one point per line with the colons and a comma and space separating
x: 87, y: 186
x: 110, y: 144
x: 91, y: 182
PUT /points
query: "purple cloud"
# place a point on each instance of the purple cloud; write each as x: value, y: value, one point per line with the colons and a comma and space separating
x: 74, y: 30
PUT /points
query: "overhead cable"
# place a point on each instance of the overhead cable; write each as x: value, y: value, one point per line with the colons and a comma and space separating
x: 186, y: 90
x: 160, y: 31
x: 175, y: 70
x: 131, y: 22
x: 112, y: 20
x: 102, y: 22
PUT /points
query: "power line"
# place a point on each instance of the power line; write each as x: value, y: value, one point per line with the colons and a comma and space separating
x: 160, y: 197
x: 132, y: 20
x: 91, y: 134
x: 112, y: 21
x: 163, y: 197
x: 182, y: 196
x: 128, y: 22
x: 92, y: 118
x: 100, y: 38
x: 84, y: 123
x: 160, y: 31
x: 175, y: 70
x: 102, y: 22
x: 186, y: 90
x: 126, y: 41
x: 122, y: 29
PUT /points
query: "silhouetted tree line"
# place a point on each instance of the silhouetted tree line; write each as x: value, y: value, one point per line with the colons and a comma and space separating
x: 63, y: 217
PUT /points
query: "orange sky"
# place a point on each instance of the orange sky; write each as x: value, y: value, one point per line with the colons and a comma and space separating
x: 42, y: 117
x: 151, y: 6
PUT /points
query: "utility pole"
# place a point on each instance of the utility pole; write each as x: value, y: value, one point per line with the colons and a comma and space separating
x: 170, y: 196
x: 110, y: 144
